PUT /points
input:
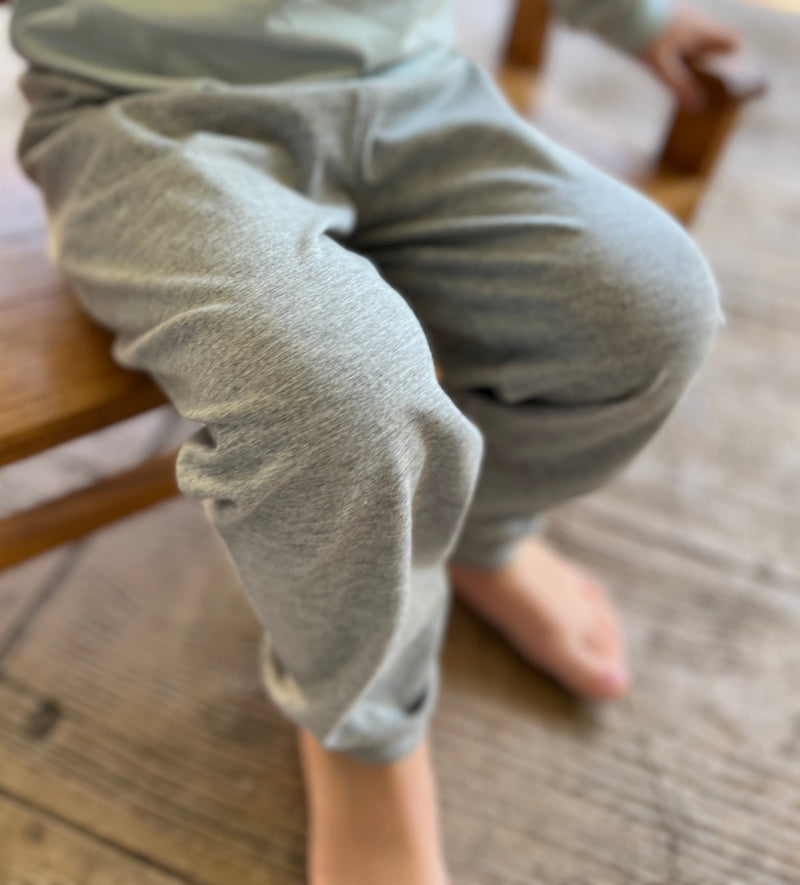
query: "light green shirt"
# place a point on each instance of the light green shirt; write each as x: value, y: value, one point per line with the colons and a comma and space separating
x: 160, y: 44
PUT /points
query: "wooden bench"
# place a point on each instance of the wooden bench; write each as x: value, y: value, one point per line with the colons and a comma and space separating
x: 57, y: 378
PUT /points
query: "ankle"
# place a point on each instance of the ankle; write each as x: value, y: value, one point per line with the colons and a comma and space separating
x: 368, y: 822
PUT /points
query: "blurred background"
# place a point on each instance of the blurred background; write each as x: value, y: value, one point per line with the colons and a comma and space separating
x: 136, y: 744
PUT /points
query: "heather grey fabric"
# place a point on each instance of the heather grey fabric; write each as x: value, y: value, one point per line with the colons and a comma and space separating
x: 286, y: 260
x: 152, y: 44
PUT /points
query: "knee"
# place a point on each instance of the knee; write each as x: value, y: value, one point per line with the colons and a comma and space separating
x: 323, y: 425
x: 654, y: 306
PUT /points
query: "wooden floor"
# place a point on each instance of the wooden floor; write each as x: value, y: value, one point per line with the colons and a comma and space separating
x: 136, y: 745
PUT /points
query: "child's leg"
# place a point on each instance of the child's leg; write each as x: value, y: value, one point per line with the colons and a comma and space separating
x: 333, y: 464
x: 372, y: 823
x: 567, y: 313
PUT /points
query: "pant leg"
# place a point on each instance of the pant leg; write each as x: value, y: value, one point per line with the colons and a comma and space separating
x: 331, y: 462
x: 567, y: 312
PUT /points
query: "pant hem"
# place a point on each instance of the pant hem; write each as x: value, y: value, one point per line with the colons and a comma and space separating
x: 490, y: 547
x: 386, y: 753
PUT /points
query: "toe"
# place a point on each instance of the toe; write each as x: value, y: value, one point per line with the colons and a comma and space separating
x: 605, y: 678
x: 597, y: 665
x: 615, y: 682
x: 599, y: 639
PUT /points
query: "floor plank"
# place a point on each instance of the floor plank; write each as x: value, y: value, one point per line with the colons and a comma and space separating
x: 20, y: 588
x: 133, y: 708
x: 695, y: 778
x: 722, y: 480
x: 164, y: 742
x: 38, y: 849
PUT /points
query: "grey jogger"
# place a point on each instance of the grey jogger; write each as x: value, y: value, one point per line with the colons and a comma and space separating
x: 289, y: 261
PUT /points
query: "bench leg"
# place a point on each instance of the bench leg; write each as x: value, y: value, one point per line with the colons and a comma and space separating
x: 25, y: 534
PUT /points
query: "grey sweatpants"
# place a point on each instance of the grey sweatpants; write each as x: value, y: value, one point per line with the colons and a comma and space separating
x: 288, y: 261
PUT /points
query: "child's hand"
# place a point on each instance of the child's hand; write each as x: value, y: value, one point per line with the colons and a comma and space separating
x: 688, y: 34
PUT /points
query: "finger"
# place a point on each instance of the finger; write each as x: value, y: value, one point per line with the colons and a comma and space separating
x: 718, y: 41
x: 680, y: 79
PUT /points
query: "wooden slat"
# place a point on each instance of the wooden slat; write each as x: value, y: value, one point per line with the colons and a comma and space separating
x: 694, y: 141
x: 57, y: 377
x: 37, y: 849
x: 26, y: 534
x: 527, y: 39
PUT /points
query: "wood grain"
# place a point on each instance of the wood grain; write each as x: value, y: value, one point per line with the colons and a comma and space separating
x: 164, y: 743
x: 57, y: 377
x: 38, y: 849
x: 19, y: 589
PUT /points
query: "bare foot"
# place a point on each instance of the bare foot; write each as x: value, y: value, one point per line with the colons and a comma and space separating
x: 554, y: 614
x: 371, y: 824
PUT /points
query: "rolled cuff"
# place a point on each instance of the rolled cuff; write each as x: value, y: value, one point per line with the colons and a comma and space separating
x: 491, y: 545
x: 388, y: 718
